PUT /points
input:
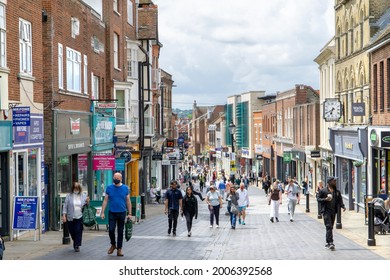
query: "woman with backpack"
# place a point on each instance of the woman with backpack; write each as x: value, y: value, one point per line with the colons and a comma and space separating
x: 275, y: 199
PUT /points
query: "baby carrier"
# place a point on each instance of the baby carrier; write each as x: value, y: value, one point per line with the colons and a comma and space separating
x: 381, y: 217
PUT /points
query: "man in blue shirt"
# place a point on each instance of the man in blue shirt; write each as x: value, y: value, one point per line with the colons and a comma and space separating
x: 173, y: 203
x: 118, y: 197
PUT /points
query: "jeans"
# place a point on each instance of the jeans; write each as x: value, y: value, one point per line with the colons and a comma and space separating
x: 214, y: 211
x: 76, y: 231
x: 114, y: 219
x: 329, y: 219
x: 291, y: 207
x: 173, y: 214
x: 189, y: 217
x: 233, y: 217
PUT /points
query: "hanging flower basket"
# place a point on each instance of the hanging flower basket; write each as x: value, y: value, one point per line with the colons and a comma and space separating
x: 328, y: 158
x: 358, y: 163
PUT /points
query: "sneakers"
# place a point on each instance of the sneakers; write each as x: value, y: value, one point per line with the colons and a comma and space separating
x: 243, y: 223
x: 271, y: 219
x: 174, y: 233
x: 291, y: 220
x: 217, y: 226
x: 77, y: 249
x: 211, y: 226
x: 169, y: 231
x: 233, y: 227
x: 331, y: 246
x: 189, y: 234
x: 327, y: 246
x: 239, y: 221
x: 111, y: 250
x: 277, y: 219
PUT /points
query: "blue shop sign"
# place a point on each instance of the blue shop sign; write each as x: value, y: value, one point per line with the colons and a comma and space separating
x: 103, y: 129
x: 30, y: 134
x: 21, y: 116
x: 119, y: 164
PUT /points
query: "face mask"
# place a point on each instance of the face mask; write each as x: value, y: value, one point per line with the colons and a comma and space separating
x: 117, y: 181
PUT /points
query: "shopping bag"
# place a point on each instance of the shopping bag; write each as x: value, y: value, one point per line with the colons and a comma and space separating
x: 128, y: 229
x: 234, y: 209
x: 89, y: 216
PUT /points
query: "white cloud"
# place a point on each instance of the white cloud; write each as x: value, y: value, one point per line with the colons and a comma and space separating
x: 218, y: 48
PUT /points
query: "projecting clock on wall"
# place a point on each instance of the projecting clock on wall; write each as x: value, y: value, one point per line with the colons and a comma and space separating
x: 332, y: 110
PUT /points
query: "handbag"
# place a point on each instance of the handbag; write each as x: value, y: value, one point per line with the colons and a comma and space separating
x: 128, y: 229
x: 234, y: 209
x: 89, y: 216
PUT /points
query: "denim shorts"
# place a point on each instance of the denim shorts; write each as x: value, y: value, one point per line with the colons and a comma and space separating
x: 241, y: 208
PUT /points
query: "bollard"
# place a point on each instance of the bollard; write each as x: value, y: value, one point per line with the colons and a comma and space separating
x: 338, y: 222
x: 307, y: 202
x: 143, y: 197
x: 65, y: 236
x: 371, y: 233
x: 319, y: 216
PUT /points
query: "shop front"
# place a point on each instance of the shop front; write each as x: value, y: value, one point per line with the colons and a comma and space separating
x: 72, y: 158
x: 28, y: 162
x: 379, y: 164
x: 350, y: 147
x: 5, y: 171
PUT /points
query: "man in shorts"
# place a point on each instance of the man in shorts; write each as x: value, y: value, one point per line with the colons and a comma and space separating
x: 243, y: 203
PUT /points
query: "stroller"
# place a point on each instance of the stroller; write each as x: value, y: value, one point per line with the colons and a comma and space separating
x: 381, y: 217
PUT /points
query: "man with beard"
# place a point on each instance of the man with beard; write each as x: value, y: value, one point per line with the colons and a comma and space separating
x: 330, y: 199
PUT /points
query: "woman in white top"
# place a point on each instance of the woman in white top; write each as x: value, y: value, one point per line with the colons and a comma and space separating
x: 275, y: 199
x: 214, y: 201
x: 72, y: 213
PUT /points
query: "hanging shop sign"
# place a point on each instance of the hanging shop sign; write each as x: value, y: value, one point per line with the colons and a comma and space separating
x: 21, y: 116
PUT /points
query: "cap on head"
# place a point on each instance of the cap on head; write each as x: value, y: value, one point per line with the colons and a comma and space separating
x: 331, y: 179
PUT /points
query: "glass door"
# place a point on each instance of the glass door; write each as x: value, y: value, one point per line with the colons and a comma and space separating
x: 21, y: 172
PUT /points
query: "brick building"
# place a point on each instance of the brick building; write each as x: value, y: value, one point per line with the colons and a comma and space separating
x: 21, y: 105
x: 379, y: 131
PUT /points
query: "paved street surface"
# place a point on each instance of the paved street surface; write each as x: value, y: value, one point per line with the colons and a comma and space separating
x: 303, y: 239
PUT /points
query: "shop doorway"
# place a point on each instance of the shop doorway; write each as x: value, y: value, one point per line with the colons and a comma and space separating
x: 4, y: 195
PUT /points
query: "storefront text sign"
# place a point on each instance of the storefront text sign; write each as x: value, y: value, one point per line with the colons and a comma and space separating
x: 21, y: 116
x: 103, y: 162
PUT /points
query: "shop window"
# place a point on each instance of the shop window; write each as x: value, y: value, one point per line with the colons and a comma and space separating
x: 64, y: 174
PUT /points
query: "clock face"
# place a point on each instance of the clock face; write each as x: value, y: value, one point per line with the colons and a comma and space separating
x: 332, y: 110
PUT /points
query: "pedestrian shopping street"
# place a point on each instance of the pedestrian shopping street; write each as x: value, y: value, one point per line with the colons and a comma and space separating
x: 260, y: 239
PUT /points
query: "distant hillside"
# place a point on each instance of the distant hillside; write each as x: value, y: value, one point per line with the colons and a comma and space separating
x: 183, y: 113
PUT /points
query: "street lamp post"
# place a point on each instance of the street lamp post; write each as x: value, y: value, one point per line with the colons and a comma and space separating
x: 232, y: 129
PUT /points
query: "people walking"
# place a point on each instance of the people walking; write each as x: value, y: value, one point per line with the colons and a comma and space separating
x: 72, y: 213
x: 291, y: 190
x: 214, y: 201
x: 330, y: 199
x: 191, y: 185
x: 275, y: 200
x: 222, y: 188
x: 190, y: 208
x: 118, y: 199
x: 243, y: 203
x: 232, y: 198
x: 266, y: 184
x: 202, y: 180
x: 173, y: 203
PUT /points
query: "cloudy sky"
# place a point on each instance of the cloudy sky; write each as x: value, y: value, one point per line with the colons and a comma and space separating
x: 218, y: 48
